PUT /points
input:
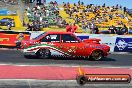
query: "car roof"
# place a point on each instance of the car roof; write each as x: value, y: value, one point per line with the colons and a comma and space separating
x: 56, y: 32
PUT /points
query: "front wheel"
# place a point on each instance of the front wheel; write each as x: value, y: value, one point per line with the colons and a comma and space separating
x: 43, y: 53
x: 96, y: 55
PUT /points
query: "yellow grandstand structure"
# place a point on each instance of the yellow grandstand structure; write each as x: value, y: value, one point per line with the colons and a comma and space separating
x: 101, y: 17
x: 116, y: 19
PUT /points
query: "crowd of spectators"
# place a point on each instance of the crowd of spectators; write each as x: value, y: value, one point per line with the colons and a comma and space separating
x: 89, y: 17
x: 10, y: 2
x: 129, y: 11
x: 46, y: 15
x: 117, y: 30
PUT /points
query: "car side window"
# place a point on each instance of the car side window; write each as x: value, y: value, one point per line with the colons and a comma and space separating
x: 51, y: 38
x: 67, y: 38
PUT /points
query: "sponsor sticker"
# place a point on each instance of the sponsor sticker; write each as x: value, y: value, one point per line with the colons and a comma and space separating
x: 123, y: 45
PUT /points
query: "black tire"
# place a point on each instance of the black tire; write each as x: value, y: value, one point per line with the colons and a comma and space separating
x: 96, y: 55
x: 81, y: 80
x: 43, y: 53
x: 27, y: 56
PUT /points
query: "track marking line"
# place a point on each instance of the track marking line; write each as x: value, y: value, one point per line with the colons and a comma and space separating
x: 62, y: 65
x: 29, y: 83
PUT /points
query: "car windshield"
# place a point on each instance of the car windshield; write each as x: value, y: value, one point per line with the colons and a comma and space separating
x: 39, y: 36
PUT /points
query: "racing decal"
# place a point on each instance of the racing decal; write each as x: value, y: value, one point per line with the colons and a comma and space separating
x: 72, y: 49
x: 97, y: 47
x: 56, y: 53
x: 37, y: 47
x: 123, y: 45
x: 51, y: 49
x: 4, y: 39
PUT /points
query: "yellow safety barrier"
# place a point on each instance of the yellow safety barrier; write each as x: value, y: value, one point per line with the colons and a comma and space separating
x: 16, y: 18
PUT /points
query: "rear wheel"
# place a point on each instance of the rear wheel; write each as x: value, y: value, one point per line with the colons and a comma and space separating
x: 27, y: 56
x: 43, y: 53
x: 96, y: 55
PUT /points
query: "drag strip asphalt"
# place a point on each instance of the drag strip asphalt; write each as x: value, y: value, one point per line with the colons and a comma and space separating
x: 18, y: 76
x: 55, y: 84
x: 15, y: 57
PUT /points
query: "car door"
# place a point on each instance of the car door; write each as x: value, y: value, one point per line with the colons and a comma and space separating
x: 53, y: 43
x: 71, y: 45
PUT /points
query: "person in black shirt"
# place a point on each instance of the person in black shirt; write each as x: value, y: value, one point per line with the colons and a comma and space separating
x: 96, y: 30
x: 9, y: 26
x: 124, y: 30
x: 124, y: 10
x: 112, y: 30
x: 29, y: 27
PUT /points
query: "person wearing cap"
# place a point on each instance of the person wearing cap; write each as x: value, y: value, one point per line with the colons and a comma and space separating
x: 19, y: 37
x: 74, y: 28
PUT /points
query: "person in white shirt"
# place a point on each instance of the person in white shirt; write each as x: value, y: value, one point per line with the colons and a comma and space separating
x: 38, y: 7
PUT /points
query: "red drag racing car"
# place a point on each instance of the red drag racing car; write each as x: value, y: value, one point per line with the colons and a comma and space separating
x: 64, y: 44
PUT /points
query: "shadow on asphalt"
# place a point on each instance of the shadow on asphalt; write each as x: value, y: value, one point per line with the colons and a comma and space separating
x: 86, y: 59
x: 108, y: 59
x: 64, y: 58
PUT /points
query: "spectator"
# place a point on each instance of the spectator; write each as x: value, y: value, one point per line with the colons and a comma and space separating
x: 76, y: 19
x: 96, y: 30
x: 44, y: 2
x: 55, y: 3
x: 9, y: 26
x: 29, y: 27
x: 36, y: 26
x: 79, y: 2
x: 39, y: 2
x: 120, y: 7
x: 23, y: 23
x: 74, y: 28
x: 117, y: 6
x: 124, y: 30
x: 83, y: 26
x: 70, y: 13
x: 69, y: 27
x: 20, y: 37
x: 12, y: 23
x: 103, y: 5
x: 124, y: 9
x: 82, y: 3
x: 110, y: 16
x: 112, y: 30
